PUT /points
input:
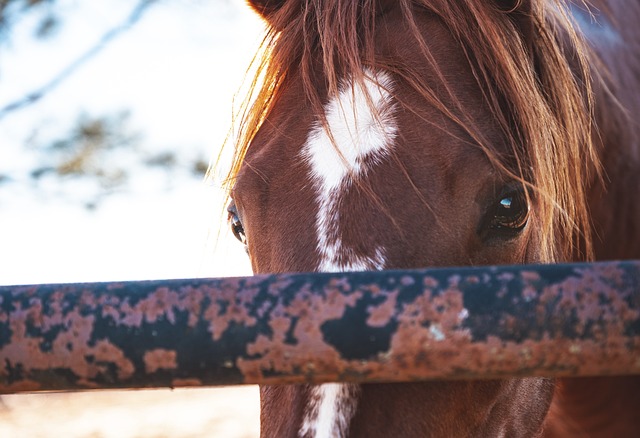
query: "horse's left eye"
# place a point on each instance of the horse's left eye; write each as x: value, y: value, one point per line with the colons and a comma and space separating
x: 511, y: 213
x: 236, y: 225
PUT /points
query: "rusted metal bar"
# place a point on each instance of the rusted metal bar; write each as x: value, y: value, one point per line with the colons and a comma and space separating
x: 559, y: 320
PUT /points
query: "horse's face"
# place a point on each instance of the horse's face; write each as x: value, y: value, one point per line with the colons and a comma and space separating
x: 397, y: 183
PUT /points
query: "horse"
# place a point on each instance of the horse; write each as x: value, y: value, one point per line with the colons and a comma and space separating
x: 384, y: 134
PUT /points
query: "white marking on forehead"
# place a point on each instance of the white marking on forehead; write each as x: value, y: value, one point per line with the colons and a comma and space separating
x: 361, y: 130
x: 361, y: 124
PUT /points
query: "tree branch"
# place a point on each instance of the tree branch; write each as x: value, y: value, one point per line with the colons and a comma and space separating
x: 30, y: 98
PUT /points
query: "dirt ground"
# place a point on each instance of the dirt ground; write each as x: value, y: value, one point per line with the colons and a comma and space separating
x: 230, y: 412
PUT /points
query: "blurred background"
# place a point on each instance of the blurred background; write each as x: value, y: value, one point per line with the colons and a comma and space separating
x: 110, y: 112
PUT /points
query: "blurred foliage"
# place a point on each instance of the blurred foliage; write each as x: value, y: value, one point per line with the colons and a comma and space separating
x: 83, y: 151
x: 48, y: 23
x: 106, y: 153
x: 13, y: 11
x: 103, y: 154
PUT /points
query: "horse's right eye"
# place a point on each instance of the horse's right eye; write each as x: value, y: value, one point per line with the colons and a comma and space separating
x: 237, y: 229
x: 236, y: 224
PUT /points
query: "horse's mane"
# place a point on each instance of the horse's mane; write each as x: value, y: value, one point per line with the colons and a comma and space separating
x: 539, y: 93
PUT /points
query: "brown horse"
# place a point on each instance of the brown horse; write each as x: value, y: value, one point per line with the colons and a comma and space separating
x: 385, y: 134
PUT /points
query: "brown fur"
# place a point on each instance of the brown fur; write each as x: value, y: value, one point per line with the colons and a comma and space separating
x: 321, y: 41
x: 487, y: 94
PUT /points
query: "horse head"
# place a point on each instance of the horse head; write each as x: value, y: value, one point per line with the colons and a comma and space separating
x: 402, y: 134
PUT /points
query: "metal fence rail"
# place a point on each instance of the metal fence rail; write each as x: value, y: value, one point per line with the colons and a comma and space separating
x: 554, y: 320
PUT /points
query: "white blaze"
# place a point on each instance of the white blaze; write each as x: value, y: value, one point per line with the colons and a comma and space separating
x: 331, y: 408
x: 362, y: 129
x: 361, y: 133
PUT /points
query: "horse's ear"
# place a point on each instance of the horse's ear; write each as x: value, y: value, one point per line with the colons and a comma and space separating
x: 266, y: 8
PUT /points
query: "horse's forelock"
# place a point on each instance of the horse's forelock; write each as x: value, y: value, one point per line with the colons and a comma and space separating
x: 520, y: 64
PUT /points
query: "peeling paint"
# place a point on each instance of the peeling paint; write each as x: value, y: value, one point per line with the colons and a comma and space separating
x: 155, y: 360
x: 562, y: 320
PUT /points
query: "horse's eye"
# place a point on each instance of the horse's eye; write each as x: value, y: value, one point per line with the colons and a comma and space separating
x: 236, y: 225
x: 237, y: 229
x: 511, y: 212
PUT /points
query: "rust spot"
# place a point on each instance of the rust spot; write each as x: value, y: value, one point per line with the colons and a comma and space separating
x: 180, y: 383
x: 430, y: 282
x: 160, y: 359
x: 23, y: 386
x: 230, y: 304
x: 380, y: 315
